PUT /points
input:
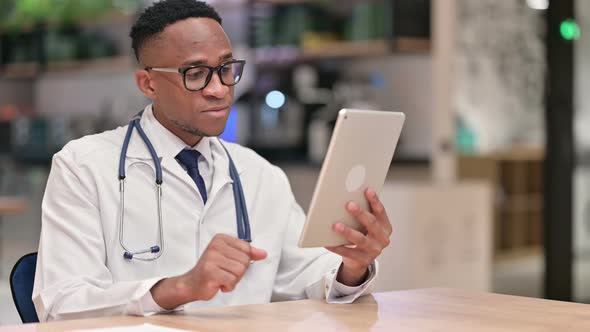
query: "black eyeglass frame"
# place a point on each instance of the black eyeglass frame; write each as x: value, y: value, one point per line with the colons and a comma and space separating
x: 183, y: 70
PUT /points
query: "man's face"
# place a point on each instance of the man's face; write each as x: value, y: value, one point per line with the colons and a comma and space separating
x: 189, y: 114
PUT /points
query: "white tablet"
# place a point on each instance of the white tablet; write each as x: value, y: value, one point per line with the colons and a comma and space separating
x: 358, y: 157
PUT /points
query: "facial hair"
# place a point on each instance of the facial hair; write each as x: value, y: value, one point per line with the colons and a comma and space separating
x: 192, y: 130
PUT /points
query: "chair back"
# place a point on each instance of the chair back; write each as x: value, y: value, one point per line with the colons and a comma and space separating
x: 22, y: 277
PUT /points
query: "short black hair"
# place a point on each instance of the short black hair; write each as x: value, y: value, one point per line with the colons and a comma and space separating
x: 163, y: 13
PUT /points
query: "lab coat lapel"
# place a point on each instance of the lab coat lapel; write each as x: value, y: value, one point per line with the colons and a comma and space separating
x: 221, y: 175
x: 137, y: 147
x: 138, y: 150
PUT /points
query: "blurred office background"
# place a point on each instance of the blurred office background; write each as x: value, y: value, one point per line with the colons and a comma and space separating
x: 489, y: 188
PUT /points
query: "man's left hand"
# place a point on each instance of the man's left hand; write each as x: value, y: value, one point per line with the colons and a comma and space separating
x: 364, y: 248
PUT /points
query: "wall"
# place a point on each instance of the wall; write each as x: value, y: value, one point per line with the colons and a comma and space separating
x: 16, y: 91
x: 582, y: 79
x: 87, y: 93
x: 581, y: 236
x: 406, y: 87
x: 499, y: 72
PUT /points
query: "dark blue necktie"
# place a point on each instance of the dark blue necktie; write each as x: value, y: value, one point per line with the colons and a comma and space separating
x: 189, y: 159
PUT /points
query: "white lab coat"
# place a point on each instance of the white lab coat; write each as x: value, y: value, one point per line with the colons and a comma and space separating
x: 81, y: 271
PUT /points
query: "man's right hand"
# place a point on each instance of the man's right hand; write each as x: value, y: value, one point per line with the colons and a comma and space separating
x: 221, y: 267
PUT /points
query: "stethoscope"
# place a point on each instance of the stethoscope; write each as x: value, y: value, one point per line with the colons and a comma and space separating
x: 156, y: 251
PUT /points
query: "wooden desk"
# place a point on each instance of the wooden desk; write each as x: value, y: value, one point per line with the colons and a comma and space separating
x: 414, y: 310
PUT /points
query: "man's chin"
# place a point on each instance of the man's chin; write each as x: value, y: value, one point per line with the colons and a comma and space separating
x: 214, y: 132
x: 208, y: 133
x: 201, y: 132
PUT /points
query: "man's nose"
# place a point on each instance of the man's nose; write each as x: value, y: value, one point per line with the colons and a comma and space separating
x: 216, y: 88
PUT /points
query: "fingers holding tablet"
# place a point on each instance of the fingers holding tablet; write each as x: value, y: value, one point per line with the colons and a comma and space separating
x: 379, y: 211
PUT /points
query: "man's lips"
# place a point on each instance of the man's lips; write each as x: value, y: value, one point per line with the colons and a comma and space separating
x: 218, y: 109
x: 217, y: 112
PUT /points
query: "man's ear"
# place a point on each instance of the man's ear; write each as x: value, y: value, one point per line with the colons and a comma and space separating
x: 145, y: 83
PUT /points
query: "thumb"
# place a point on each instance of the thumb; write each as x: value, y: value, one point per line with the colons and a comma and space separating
x: 257, y: 254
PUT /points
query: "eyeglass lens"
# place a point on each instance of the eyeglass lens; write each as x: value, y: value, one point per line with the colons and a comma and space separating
x: 197, y: 78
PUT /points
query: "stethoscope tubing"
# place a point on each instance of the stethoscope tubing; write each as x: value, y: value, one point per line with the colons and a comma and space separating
x: 242, y: 219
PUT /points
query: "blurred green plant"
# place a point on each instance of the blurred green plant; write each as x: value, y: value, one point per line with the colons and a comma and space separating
x: 22, y: 15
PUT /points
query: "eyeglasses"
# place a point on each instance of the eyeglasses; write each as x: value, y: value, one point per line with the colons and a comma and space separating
x: 196, y: 78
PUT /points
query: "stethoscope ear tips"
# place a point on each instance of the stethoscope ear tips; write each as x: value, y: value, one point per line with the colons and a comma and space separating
x: 128, y: 255
x: 155, y: 249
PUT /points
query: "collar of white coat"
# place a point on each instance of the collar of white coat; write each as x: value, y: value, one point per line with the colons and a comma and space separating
x: 168, y: 145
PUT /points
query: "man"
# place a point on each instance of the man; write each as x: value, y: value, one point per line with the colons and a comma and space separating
x: 89, y: 264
